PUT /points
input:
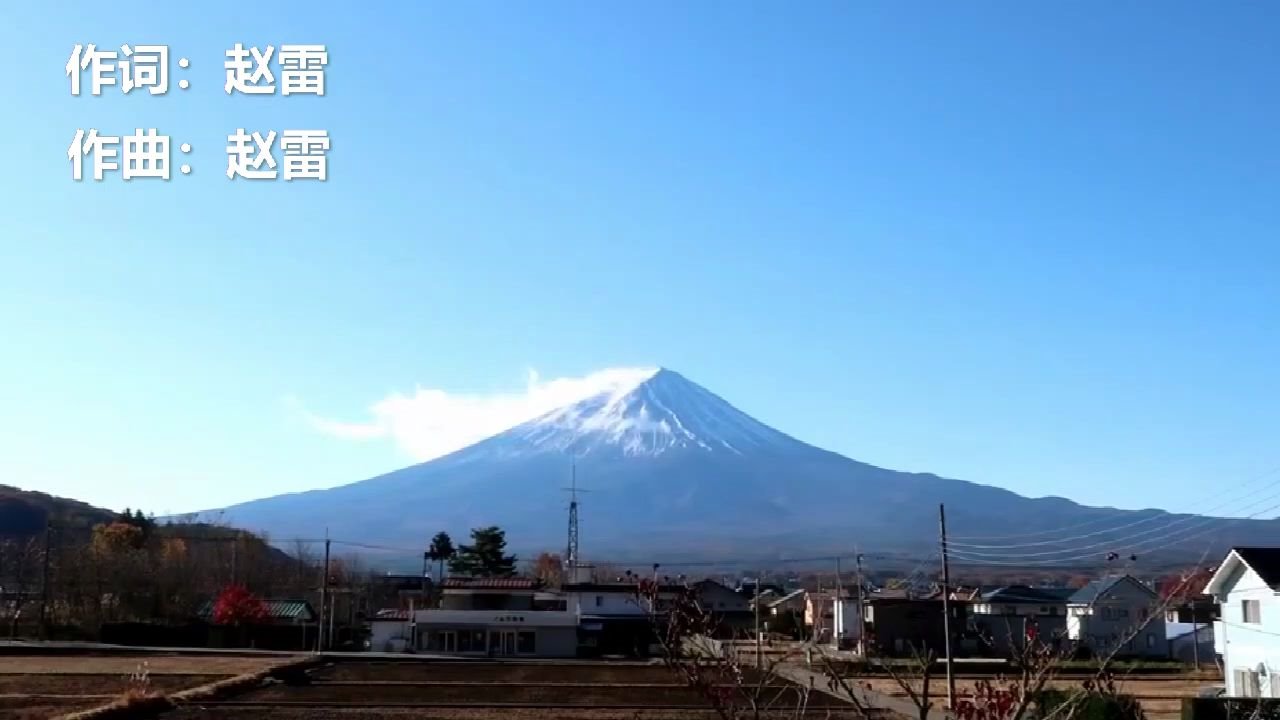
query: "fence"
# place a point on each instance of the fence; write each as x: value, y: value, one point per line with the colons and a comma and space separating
x: 1230, y: 708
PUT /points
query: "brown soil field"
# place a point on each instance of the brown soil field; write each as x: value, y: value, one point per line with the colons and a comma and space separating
x: 1160, y: 699
x: 126, y: 664
x: 276, y: 713
x: 82, y: 684
x: 40, y: 708
x: 481, y: 694
x: 497, y: 672
x: 42, y: 686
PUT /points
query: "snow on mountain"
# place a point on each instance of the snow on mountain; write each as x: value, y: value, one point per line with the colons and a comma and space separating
x: 671, y: 466
x: 646, y: 414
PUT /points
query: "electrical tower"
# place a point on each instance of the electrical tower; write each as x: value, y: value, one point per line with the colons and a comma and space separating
x: 571, y: 550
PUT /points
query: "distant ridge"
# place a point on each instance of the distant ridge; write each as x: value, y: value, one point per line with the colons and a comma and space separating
x: 674, y: 468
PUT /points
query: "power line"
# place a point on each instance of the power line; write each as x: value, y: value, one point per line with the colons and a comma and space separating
x: 1116, y: 543
x: 1096, y: 521
x: 1140, y: 547
x: 1171, y: 518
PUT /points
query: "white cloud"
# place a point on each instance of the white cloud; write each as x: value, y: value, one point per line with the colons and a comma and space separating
x: 431, y: 422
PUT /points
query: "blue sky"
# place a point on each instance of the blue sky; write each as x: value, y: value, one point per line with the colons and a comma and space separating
x: 1027, y: 244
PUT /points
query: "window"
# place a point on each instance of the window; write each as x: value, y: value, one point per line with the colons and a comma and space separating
x: 1151, y: 641
x: 526, y: 642
x: 446, y: 641
x: 1122, y: 613
x: 1251, y: 612
x: 1247, y: 683
x: 599, y: 600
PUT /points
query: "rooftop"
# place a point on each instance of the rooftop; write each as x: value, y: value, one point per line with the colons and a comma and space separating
x: 276, y: 610
x: 512, y: 583
x: 1090, y: 593
x: 1263, y: 560
x: 1027, y: 594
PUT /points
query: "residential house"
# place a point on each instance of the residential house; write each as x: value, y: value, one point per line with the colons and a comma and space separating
x: 1116, y: 615
x: 290, y: 624
x: 1002, y: 619
x: 401, y: 591
x: 732, y: 610
x: 612, y: 618
x: 1191, y: 643
x: 819, y: 615
x: 1201, y: 609
x: 903, y: 626
x: 1247, y: 586
x: 493, y: 617
x: 786, y: 613
x: 793, y: 601
x: 847, y: 623
x: 279, y: 612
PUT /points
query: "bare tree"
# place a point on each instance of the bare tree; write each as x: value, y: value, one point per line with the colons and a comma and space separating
x: 20, y: 565
x: 735, y: 690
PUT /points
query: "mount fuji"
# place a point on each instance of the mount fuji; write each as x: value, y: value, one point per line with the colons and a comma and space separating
x: 671, y: 468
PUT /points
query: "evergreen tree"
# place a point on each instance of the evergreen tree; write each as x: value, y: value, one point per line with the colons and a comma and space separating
x: 484, y: 556
x: 440, y: 550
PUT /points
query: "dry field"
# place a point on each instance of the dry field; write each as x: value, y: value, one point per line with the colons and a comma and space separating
x: 41, y: 686
x: 1160, y: 697
x: 476, y: 691
x: 126, y: 664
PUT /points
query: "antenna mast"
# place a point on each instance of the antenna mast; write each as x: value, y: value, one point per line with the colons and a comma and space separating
x: 571, y: 557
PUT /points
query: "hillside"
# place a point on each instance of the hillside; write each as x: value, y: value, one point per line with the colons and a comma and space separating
x: 24, y: 513
x: 675, y: 470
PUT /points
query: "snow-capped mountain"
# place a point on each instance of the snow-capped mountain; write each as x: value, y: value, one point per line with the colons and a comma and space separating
x: 646, y: 414
x: 672, y: 468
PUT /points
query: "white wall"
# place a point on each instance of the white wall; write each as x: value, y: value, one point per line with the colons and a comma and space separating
x: 604, y: 603
x: 1246, y: 646
x: 847, y: 618
x: 389, y: 635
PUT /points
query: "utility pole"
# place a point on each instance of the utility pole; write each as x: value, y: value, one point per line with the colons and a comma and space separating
x: 333, y: 611
x: 44, y: 582
x: 324, y: 595
x: 946, y: 607
x: 759, y: 648
x: 1195, y: 634
x: 837, y: 610
x: 862, y: 625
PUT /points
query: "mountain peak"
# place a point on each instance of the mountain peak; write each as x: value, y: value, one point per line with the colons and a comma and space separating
x: 645, y: 412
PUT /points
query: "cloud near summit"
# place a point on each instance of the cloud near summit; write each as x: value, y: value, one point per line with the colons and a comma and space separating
x: 432, y: 422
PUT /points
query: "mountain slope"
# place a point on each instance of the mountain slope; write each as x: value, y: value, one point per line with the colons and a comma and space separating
x: 671, y: 467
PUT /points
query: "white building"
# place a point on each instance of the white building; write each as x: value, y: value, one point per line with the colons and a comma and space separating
x: 1247, y: 585
x: 482, y: 617
x: 1116, y: 615
x: 847, y: 623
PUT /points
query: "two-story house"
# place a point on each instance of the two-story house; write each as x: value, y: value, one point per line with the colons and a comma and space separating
x: 733, y: 611
x: 1247, y: 586
x: 1117, y: 615
x: 1003, y: 619
x: 487, y: 616
x: 613, y: 618
x: 898, y: 623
